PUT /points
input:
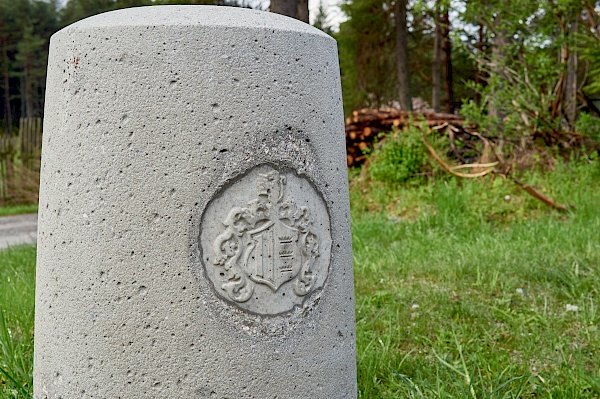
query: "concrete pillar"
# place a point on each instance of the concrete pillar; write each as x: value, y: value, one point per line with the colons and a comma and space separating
x: 194, y: 229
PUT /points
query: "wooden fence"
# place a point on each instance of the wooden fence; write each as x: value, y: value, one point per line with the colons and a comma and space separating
x: 20, y: 162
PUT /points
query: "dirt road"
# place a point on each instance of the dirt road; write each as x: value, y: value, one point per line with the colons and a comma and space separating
x: 20, y: 229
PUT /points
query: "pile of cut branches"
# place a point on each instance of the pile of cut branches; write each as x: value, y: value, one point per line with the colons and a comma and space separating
x: 365, y: 125
x: 468, y: 154
x: 499, y: 167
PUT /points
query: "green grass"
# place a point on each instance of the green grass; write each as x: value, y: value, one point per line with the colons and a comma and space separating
x: 17, y: 281
x: 18, y: 209
x: 462, y: 293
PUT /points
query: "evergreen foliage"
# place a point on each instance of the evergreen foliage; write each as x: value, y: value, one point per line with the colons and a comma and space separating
x: 401, y: 156
x: 367, y: 60
x: 522, y: 69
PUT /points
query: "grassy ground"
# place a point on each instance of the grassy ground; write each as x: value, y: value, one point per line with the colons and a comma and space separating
x: 18, y: 209
x: 475, y: 290
x: 17, y: 280
x: 465, y: 289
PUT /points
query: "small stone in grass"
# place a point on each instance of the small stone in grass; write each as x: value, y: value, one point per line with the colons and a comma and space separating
x: 572, y: 308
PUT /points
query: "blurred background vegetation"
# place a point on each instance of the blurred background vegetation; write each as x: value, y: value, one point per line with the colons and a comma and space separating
x: 517, y: 67
x: 524, y: 74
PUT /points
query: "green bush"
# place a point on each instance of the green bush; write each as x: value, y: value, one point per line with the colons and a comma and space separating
x: 400, y: 156
x: 589, y: 125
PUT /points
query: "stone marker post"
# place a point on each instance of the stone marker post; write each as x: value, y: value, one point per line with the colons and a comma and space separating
x: 194, y: 230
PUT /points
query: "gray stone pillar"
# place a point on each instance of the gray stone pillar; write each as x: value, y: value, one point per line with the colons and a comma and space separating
x: 194, y: 230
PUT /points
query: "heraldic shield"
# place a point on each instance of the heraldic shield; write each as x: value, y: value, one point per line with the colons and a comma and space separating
x: 271, y: 242
x: 273, y: 255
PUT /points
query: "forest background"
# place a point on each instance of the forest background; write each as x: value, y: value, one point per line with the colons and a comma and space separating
x: 518, y: 70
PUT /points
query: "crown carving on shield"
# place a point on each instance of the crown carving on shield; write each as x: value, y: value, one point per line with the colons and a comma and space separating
x: 270, y: 186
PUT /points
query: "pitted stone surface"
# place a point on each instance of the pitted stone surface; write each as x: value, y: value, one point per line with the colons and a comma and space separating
x: 159, y: 122
x: 266, y: 241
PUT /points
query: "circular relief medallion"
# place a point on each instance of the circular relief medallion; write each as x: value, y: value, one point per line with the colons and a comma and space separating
x: 265, y: 240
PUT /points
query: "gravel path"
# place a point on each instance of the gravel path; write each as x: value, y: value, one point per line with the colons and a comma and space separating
x: 19, y: 229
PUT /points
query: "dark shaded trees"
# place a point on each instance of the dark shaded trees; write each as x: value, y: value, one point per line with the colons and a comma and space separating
x: 25, y: 29
x: 436, y: 87
x: 387, y: 53
x: 519, y: 66
x: 402, y: 56
x: 447, y: 49
x: 367, y: 54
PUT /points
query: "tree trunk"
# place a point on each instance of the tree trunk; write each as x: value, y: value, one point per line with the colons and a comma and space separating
x: 478, y: 71
x: 448, y: 60
x: 498, y: 54
x: 437, y: 63
x: 302, y: 10
x: 402, y: 55
x: 571, y: 86
x: 29, y: 91
x: 559, y: 97
x: 292, y: 8
x: 6, y: 84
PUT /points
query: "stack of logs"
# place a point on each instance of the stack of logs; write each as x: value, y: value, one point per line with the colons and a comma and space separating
x: 365, y: 125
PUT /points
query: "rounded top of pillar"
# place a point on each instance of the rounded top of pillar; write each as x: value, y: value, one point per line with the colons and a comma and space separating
x: 194, y: 15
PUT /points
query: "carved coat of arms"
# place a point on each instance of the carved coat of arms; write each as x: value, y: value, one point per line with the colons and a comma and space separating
x: 270, y: 241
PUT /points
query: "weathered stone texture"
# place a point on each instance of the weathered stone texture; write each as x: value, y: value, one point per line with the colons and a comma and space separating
x: 159, y: 122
